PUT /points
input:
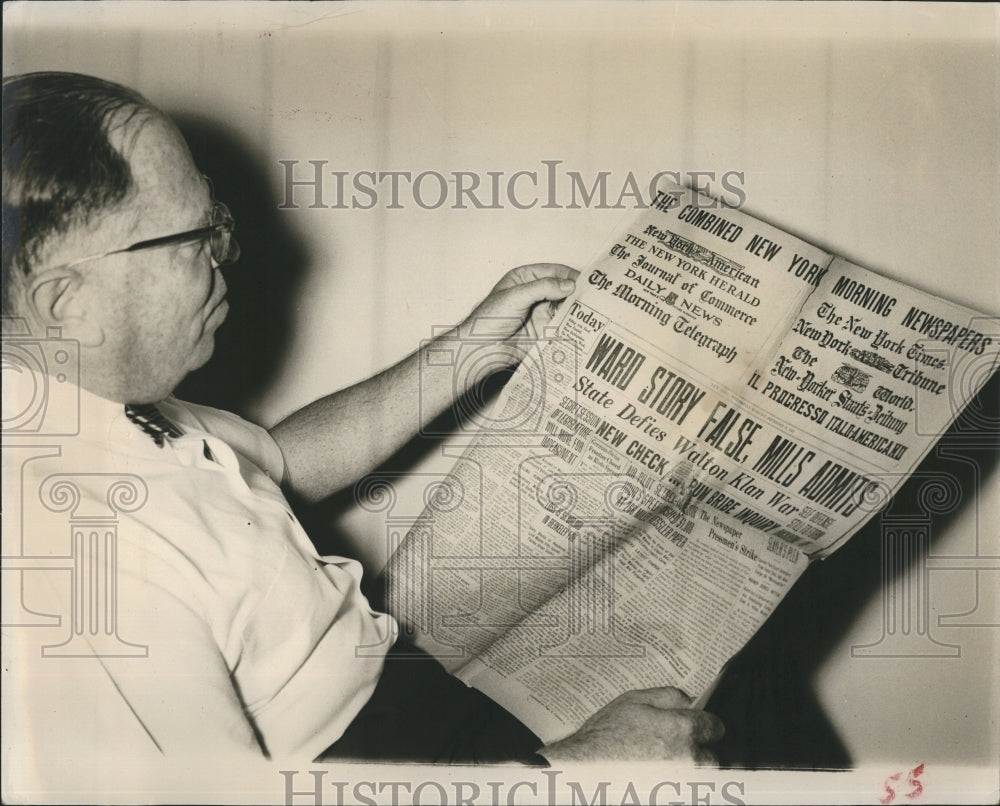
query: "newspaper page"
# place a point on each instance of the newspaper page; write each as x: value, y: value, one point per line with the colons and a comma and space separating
x: 718, y: 404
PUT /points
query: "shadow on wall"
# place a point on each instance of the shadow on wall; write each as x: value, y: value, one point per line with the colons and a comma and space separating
x: 253, y: 343
x: 766, y: 698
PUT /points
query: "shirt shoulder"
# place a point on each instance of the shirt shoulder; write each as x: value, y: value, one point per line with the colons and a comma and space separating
x: 243, y: 436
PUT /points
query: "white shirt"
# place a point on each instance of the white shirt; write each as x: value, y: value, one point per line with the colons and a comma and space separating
x: 256, y: 644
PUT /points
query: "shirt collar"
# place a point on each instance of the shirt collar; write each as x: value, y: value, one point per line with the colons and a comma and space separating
x: 103, y: 422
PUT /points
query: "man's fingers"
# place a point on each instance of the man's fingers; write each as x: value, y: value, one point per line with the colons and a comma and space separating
x: 704, y: 726
x: 707, y: 727
x: 655, y: 723
x: 665, y: 697
x: 523, y: 296
x: 538, y: 271
x: 558, y: 270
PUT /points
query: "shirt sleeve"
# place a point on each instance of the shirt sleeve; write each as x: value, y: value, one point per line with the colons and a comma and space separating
x: 247, y: 438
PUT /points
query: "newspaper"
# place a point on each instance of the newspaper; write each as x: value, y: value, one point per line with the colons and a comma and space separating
x: 717, y: 405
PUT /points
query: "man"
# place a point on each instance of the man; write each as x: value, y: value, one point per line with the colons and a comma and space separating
x: 231, y: 636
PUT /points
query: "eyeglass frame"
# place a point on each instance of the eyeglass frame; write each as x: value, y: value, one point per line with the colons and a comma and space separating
x: 226, y: 225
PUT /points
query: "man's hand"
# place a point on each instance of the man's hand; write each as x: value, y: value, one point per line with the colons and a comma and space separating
x: 520, y: 306
x: 652, y: 724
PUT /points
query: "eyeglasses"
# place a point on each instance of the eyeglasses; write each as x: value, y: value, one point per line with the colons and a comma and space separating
x: 219, y: 232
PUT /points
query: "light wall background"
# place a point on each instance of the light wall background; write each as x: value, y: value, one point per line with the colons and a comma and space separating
x: 869, y: 130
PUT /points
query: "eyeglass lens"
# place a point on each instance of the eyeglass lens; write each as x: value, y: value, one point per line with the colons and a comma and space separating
x: 224, y: 247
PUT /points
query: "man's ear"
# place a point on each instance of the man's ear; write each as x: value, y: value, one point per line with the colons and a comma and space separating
x: 55, y: 300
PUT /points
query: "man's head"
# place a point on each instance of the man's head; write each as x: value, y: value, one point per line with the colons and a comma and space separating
x: 91, y: 168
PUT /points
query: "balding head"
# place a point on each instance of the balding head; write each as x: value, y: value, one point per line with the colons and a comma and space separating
x: 61, y: 166
x: 92, y: 170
